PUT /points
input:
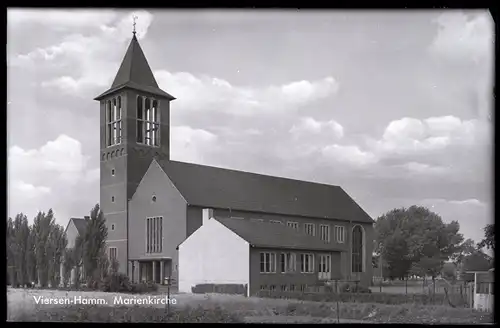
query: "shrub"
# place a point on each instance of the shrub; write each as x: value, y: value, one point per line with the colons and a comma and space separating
x: 143, y: 287
x: 220, y: 289
x: 354, y: 288
x: 116, y: 283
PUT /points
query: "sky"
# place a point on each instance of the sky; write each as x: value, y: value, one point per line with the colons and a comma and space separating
x: 394, y: 106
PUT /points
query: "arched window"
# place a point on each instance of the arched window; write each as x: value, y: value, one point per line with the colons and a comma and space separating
x: 113, y: 121
x: 357, y: 249
x: 148, y: 121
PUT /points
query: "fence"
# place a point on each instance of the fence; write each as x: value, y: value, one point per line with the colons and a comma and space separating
x: 352, y: 291
x: 419, y: 286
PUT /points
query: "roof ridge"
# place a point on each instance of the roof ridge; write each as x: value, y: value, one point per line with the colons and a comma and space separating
x: 132, y: 43
x: 259, y: 174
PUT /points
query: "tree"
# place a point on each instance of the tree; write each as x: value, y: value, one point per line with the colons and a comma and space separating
x: 477, y: 261
x: 55, y: 248
x: 466, y: 248
x: 449, y: 271
x: 11, y: 253
x: 20, y: 246
x: 93, y: 244
x: 68, y: 265
x: 43, y: 226
x: 489, y: 238
x: 78, y: 258
x: 390, y: 243
x: 416, y: 240
x: 31, y: 256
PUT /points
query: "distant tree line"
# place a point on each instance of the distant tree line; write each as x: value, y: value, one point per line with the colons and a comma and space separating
x: 36, y: 251
x: 416, y: 241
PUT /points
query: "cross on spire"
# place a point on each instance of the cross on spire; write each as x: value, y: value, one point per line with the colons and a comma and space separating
x: 134, y: 18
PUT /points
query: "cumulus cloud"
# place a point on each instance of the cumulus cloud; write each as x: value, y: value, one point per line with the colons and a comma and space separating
x: 351, y: 155
x: 424, y: 169
x: 197, y: 93
x: 38, y: 177
x: 465, y: 43
x: 59, y: 19
x: 412, y: 136
x: 190, y: 145
x: 92, y: 62
x: 462, y: 36
x: 28, y: 190
x: 310, y: 126
x: 62, y: 156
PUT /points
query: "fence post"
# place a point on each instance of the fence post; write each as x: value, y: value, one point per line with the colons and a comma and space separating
x: 357, y: 289
x: 406, y: 285
x: 381, y: 279
x: 336, y: 286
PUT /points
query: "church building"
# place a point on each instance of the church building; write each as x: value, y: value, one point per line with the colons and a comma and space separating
x: 161, y: 213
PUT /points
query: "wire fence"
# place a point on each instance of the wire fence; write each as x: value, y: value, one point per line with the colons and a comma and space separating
x: 421, y: 286
x: 457, y: 294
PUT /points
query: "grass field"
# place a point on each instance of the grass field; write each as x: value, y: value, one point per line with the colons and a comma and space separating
x: 21, y: 306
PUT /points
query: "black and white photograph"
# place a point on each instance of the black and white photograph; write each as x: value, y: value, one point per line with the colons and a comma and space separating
x: 250, y: 165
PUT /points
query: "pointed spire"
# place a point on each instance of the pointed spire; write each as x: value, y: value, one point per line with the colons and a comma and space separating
x: 135, y: 73
x: 134, y: 18
x: 135, y: 67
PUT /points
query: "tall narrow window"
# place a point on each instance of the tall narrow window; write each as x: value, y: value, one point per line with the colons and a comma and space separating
x: 154, y: 235
x: 357, y: 249
x: 310, y: 229
x: 113, y: 253
x: 339, y: 234
x: 147, y: 236
x: 148, y: 121
x: 140, y: 121
x: 307, y: 263
x: 113, y: 121
x: 324, y: 230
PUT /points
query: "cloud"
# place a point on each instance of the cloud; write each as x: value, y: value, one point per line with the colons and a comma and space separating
x: 38, y: 177
x: 93, y: 58
x: 424, y: 169
x: 190, y: 145
x: 196, y: 93
x: 29, y: 190
x: 463, y: 49
x: 309, y: 126
x: 464, y: 37
x: 59, y: 19
x: 351, y: 155
x: 413, y: 136
x: 62, y: 156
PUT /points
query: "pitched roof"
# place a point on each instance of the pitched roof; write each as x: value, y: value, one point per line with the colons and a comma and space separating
x: 229, y: 189
x: 273, y: 235
x: 135, y: 73
x: 80, y: 224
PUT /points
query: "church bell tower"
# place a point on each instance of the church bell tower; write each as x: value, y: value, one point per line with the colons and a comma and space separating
x: 134, y: 129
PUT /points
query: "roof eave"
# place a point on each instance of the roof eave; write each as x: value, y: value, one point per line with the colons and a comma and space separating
x: 126, y: 86
x: 298, y: 248
x: 369, y: 220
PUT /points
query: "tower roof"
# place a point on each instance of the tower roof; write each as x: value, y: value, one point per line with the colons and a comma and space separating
x: 135, y: 73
